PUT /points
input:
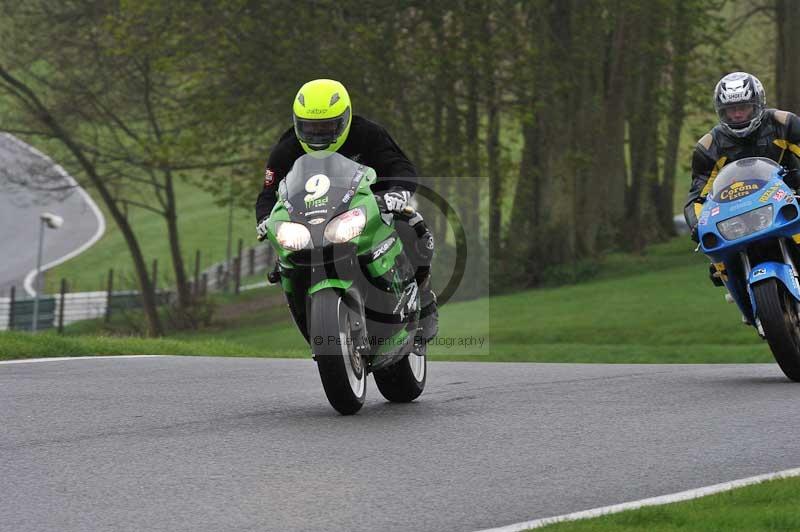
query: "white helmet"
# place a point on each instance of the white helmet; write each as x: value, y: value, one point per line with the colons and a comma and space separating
x: 737, y: 89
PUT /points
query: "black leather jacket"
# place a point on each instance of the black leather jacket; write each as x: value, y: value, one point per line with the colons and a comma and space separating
x: 777, y: 138
x: 367, y: 143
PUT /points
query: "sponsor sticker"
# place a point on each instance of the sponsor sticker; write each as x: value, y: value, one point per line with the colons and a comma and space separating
x: 759, y: 272
x: 715, y: 211
x: 318, y: 211
x: 289, y: 207
x: 779, y: 195
x: 742, y: 205
x: 703, y: 219
x: 316, y: 221
x: 383, y: 247
x: 317, y: 202
x: 269, y: 177
x: 739, y: 190
x: 348, y: 196
x: 767, y: 193
x: 357, y: 178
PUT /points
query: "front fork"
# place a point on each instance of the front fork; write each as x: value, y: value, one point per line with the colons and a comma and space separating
x: 747, y: 269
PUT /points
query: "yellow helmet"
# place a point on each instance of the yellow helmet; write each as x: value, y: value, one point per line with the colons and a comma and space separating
x: 322, y: 115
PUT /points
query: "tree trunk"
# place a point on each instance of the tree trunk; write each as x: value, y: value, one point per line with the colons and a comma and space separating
x: 682, y: 44
x: 178, y: 266
x: 787, y: 66
x: 611, y: 159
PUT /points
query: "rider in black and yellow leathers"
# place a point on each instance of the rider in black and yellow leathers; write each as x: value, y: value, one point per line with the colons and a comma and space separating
x: 746, y: 129
x: 756, y: 132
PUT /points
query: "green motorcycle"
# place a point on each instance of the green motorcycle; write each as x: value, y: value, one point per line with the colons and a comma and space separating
x: 350, y: 287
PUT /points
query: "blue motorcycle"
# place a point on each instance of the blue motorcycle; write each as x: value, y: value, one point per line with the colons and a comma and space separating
x: 749, y: 227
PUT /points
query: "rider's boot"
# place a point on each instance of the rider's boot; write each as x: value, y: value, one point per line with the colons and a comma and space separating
x: 429, y: 313
x: 715, y: 275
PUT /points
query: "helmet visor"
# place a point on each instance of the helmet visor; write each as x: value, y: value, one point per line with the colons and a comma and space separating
x: 737, y: 115
x: 320, y: 133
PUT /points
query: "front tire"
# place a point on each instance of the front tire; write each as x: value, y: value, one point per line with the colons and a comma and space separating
x: 778, y: 315
x: 341, y: 368
x: 404, y: 381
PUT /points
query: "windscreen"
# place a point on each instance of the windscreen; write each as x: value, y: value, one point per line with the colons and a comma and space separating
x: 743, y: 177
x: 322, y: 183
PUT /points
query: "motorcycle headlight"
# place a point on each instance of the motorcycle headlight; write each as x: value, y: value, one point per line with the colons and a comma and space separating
x: 746, y: 224
x: 293, y: 236
x: 346, y: 226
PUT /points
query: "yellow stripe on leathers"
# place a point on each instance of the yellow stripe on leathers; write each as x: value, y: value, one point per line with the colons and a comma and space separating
x: 717, y: 167
x: 786, y: 145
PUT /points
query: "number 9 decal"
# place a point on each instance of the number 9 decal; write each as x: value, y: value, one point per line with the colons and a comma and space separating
x: 317, y: 186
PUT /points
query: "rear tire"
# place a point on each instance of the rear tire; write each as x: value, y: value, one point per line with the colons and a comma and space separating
x: 778, y: 315
x: 341, y: 368
x: 404, y: 381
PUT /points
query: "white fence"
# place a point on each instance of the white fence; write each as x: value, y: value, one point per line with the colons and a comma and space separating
x: 80, y: 306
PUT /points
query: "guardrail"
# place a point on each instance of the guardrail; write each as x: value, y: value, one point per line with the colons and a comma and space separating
x: 56, y: 311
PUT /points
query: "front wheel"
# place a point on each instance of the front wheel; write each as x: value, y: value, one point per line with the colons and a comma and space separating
x: 404, y: 381
x: 779, y: 318
x: 341, y: 368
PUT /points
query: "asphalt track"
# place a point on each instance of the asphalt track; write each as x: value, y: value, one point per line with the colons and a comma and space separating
x: 20, y: 207
x: 251, y: 444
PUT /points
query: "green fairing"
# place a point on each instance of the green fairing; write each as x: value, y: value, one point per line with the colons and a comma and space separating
x: 330, y: 283
x: 376, y: 230
x: 374, y: 233
x: 385, y: 263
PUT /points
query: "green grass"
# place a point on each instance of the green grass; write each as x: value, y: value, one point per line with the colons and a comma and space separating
x: 203, y: 226
x: 654, y: 308
x: 769, y: 506
x: 14, y: 345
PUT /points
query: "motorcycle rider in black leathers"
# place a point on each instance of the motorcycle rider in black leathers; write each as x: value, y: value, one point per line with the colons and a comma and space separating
x: 332, y: 127
x: 746, y: 129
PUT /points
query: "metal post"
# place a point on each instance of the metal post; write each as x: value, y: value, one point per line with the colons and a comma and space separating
x: 196, y: 273
x: 110, y: 290
x: 230, y: 232
x: 238, y: 264
x: 61, y: 306
x: 13, y: 297
x: 237, y: 274
x: 36, y: 279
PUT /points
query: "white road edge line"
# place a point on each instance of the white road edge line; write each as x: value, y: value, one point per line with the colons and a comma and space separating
x: 101, y: 221
x: 62, y: 359
x: 653, y: 501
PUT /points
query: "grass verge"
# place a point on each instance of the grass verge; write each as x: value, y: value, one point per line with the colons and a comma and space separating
x: 653, y: 308
x: 17, y: 345
x: 767, y: 506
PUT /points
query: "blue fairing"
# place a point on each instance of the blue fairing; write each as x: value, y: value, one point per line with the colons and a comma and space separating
x: 774, y: 270
x: 743, y: 191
